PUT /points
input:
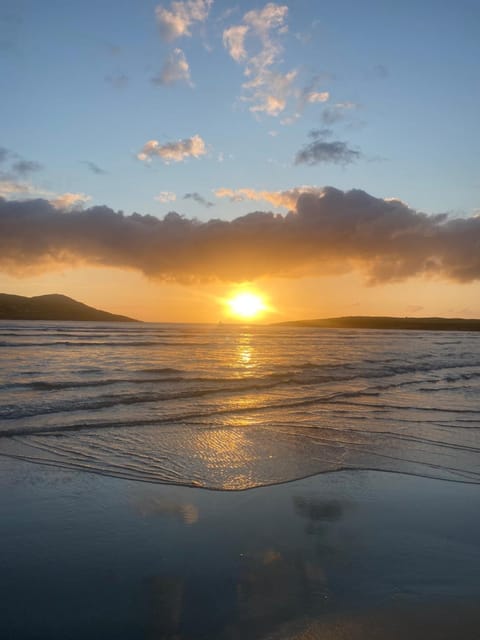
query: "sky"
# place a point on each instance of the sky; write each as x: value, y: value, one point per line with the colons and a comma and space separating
x: 157, y: 157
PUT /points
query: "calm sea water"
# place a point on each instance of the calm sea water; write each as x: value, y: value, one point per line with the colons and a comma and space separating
x: 229, y: 407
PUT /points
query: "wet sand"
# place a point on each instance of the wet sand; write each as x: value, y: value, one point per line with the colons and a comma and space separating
x: 342, y: 555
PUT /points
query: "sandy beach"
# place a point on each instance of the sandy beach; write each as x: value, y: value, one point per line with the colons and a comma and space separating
x: 340, y: 555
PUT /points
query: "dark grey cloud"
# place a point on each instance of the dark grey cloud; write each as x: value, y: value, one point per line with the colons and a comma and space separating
x: 320, y: 133
x: 196, y: 197
x: 321, y: 150
x: 330, y: 231
x: 94, y: 168
x: 24, y: 168
x: 15, y: 167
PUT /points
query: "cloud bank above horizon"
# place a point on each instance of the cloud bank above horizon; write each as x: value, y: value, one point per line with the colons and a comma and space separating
x: 327, y: 231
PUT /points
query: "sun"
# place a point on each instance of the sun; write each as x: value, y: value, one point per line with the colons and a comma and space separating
x: 246, y: 305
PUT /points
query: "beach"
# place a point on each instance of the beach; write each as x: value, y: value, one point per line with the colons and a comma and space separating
x: 340, y: 555
x: 190, y: 482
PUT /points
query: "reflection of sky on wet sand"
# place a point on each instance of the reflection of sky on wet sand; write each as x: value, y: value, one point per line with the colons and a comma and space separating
x: 149, y: 506
x: 349, y: 555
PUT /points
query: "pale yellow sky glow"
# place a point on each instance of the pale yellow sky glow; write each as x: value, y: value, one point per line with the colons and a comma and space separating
x: 132, y: 294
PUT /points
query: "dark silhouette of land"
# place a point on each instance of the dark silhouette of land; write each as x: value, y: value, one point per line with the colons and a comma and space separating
x: 386, y: 322
x: 52, y: 307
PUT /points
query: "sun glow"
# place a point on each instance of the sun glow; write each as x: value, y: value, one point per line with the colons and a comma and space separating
x: 246, y: 305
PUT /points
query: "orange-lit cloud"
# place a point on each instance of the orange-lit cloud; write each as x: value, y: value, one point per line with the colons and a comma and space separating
x: 69, y: 200
x: 178, y: 19
x: 330, y: 231
x: 175, y: 69
x: 286, y: 199
x: 177, y: 151
x: 266, y: 89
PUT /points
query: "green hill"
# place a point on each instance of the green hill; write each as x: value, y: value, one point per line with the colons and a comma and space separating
x: 52, y: 307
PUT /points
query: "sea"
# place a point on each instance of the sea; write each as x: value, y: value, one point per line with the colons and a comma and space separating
x: 232, y: 407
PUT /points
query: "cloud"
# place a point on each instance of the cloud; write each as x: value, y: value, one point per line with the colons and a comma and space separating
x: 165, y: 196
x: 175, y: 69
x: 322, y: 151
x: 10, y: 188
x: 178, y: 151
x: 20, y: 190
x: 330, y: 231
x: 69, y: 201
x: 287, y: 198
x: 19, y: 167
x: 337, y: 112
x: 176, y: 21
x: 234, y: 41
x: 14, y: 183
x: 24, y: 168
x: 94, y: 168
x: 317, y: 96
x: 196, y: 197
x: 266, y: 89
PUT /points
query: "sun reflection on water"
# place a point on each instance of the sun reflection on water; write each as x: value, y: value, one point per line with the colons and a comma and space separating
x: 245, y: 353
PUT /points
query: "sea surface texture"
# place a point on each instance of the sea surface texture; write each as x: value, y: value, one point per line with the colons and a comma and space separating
x: 235, y: 407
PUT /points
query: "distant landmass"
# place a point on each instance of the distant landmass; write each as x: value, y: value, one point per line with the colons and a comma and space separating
x: 52, y: 307
x: 387, y: 322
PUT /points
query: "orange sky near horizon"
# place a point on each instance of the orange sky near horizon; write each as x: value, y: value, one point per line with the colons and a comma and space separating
x: 130, y: 293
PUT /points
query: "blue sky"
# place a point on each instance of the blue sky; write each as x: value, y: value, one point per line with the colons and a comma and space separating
x: 77, y: 85
x: 217, y: 109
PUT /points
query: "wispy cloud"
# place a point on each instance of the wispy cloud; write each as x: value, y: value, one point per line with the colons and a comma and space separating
x: 94, y: 168
x: 177, y: 20
x: 15, y: 190
x: 234, y: 41
x: 15, y: 182
x: 286, y: 199
x: 69, y: 201
x: 13, y: 165
x: 165, y: 196
x: 175, y: 69
x: 24, y: 168
x: 325, y: 151
x: 328, y: 231
x: 177, y: 151
x: 256, y: 44
x: 196, y: 197
x: 338, y: 111
x: 317, y: 96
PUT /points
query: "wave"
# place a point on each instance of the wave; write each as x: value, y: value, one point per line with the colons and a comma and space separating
x: 191, y: 408
x: 91, y: 343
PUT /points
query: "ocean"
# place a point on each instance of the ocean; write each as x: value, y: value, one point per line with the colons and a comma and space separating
x: 235, y: 407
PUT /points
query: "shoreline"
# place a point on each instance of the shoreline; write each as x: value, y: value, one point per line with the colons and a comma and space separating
x: 98, y: 472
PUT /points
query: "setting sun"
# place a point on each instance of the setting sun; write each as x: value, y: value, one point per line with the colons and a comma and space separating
x: 246, y: 305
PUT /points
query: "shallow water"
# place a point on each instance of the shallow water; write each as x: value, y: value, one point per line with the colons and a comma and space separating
x: 227, y: 407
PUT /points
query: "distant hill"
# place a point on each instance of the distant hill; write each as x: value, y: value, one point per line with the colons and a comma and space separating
x: 386, y: 322
x: 52, y: 307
